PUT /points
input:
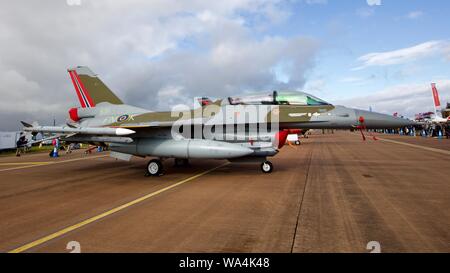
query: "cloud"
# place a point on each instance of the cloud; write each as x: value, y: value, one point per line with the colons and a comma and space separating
x: 404, y: 55
x: 315, y: 86
x: 415, y: 14
x: 373, y: 2
x: 359, y: 81
x: 143, y: 50
x: 315, y: 2
x: 352, y: 80
x: 365, y: 12
x: 446, y: 53
x: 407, y: 99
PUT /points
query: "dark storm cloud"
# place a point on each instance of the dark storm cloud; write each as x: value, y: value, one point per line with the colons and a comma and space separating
x: 152, y: 53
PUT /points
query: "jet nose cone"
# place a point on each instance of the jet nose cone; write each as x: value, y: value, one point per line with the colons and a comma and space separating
x: 373, y: 120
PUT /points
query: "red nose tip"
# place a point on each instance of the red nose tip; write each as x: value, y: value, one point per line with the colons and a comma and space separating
x: 73, y: 114
x: 361, y: 119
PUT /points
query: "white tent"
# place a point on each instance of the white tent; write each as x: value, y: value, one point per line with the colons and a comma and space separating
x: 8, y: 140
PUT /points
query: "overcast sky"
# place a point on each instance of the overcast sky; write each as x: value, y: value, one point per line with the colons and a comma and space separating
x: 154, y: 54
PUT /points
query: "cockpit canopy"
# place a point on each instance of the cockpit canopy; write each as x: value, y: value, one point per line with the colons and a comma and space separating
x: 278, y: 98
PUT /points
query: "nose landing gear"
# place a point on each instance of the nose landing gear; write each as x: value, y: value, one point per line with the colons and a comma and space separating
x: 267, y: 167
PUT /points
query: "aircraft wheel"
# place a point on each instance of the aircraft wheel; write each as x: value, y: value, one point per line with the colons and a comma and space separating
x: 267, y: 167
x: 154, y: 167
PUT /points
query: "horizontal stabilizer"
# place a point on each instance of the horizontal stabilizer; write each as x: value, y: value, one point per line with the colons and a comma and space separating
x: 27, y: 125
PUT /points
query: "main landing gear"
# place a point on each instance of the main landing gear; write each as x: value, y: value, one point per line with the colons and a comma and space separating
x: 267, y: 167
x: 154, y: 168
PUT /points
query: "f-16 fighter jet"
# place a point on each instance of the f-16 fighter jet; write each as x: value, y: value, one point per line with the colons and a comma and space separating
x: 244, y: 128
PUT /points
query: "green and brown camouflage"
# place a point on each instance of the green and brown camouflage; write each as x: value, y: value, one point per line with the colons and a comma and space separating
x: 225, y: 126
x: 289, y: 109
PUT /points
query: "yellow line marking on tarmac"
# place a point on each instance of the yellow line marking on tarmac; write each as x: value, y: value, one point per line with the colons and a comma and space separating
x: 51, y: 163
x: 109, y: 212
x: 24, y: 163
x: 417, y: 146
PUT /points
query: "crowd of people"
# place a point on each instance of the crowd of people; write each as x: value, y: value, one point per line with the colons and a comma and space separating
x: 427, y: 130
x: 23, y: 146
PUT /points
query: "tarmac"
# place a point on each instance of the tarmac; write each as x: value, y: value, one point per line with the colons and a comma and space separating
x: 333, y: 193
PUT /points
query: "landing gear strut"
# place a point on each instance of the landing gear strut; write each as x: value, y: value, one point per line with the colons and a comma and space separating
x: 154, y: 168
x: 267, y: 167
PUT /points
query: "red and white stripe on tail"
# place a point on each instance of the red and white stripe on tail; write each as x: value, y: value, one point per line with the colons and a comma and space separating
x: 82, y: 93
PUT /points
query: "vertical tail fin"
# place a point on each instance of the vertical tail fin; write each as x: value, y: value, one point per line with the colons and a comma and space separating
x: 204, y: 101
x: 437, y: 102
x: 90, y: 89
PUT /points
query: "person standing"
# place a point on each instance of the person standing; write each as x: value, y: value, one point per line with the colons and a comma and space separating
x: 55, y: 143
x: 21, y: 142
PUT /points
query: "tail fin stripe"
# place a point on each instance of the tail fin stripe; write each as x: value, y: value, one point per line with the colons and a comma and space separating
x: 437, y: 102
x: 86, y: 102
x: 84, y: 91
x: 80, y: 97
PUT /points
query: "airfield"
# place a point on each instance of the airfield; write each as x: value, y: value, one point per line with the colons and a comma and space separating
x: 333, y: 193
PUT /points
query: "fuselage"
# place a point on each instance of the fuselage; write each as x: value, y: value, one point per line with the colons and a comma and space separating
x: 236, y: 127
x: 243, y: 127
x: 246, y: 116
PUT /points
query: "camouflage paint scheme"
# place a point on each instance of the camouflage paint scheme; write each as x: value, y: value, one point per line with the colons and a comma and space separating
x: 258, y: 121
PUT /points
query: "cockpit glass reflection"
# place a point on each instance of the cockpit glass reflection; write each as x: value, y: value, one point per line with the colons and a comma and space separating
x: 278, y: 98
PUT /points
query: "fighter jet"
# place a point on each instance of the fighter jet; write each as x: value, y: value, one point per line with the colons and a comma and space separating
x: 243, y: 128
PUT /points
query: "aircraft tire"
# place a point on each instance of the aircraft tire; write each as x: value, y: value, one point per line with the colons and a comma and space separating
x: 154, y: 167
x: 267, y: 167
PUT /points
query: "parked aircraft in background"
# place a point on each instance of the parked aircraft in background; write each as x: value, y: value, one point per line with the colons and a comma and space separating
x: 437, y: 118
x: 8, y: 140
x: 243, y: 128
